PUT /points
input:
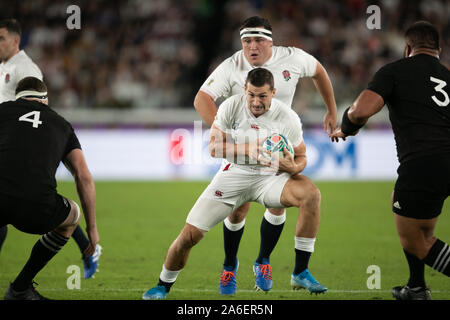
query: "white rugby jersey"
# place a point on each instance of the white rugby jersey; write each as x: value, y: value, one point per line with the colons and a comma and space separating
x: 287, y: 64
x: 235, y: 118
x: 12, y: 71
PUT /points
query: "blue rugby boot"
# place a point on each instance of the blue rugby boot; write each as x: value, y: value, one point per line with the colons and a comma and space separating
x: 305, y: 280
x: 263, y: 274
x: 156, y: 293
x: 227, y: 283
x: 90, y: 263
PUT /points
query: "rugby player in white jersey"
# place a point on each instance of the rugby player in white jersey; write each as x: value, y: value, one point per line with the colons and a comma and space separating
x: 288, y: 65
x: 242, y: 122
x: 16, y: 65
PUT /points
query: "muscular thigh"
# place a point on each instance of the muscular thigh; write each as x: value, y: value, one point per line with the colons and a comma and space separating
x: 296, y: 189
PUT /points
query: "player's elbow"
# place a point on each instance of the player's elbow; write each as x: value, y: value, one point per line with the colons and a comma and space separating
x: 199, y: 100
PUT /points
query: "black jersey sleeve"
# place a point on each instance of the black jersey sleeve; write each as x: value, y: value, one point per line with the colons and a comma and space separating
x: 72, y: 143
x: 382, y: 82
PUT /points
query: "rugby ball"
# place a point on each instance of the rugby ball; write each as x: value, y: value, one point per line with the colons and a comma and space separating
x: 275, y: 144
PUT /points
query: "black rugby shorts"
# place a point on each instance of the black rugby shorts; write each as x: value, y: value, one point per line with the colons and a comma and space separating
x: 33, y: 217
x: 422, y: 186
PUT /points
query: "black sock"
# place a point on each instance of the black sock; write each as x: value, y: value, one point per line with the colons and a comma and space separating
x: 43, y: 251
x: 81, y: 240
x: 301, y: 260
x: 270, y: 234
x: 167, y: 285
x: 416, y: 271
x: 3, y: 233
x: 439, y: 257
x: 231, y: 244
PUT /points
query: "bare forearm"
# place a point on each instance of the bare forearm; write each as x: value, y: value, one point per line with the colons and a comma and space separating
x: 299, y: 165
x: 365, y: 106
x: 227, y: 150
x: 355, y: 118
x: 87, y: 195
x: 324, y: 87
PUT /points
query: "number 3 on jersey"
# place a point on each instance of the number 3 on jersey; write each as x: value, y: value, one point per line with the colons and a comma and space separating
x: 439, y: 88
x: 32, y: 117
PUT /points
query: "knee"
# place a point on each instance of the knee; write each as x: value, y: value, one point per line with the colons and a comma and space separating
x: 418, y: 246
x: 190, y: 236
x: 75, y: 212
x: 277, y: 211
x: 71, y: 222
x: 311, y: 197
x: 239, y: 214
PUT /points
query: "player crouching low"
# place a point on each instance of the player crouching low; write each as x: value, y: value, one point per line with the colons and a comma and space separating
x: 250, y: 177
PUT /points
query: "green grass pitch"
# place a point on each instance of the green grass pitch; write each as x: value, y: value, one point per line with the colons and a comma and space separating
x: 137, y: 222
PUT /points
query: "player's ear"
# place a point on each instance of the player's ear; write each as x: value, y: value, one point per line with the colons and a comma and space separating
x: 274, y: 91
x: 407, y: 51
x: 17, y: 40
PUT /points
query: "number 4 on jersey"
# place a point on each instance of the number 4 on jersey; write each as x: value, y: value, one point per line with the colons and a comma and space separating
x: 32, y: 117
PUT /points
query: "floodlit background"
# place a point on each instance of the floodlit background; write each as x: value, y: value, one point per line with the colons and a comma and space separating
x: 127, y: 80
x: 128, y: 77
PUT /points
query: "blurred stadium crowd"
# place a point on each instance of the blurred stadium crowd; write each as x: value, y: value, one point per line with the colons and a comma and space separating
x: 157, y: 53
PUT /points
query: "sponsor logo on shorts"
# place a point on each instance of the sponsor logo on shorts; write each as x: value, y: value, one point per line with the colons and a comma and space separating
x: 218, y: 193
x: 397, y: 205
x: 66, y: 203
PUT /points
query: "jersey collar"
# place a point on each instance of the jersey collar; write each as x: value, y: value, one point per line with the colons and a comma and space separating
x: 14, y: 57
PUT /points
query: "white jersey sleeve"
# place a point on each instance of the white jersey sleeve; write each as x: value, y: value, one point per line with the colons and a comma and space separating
x: 305, y: 63
x: 218, y: 83
x: 225, y: 114
x: 28, y: 70
x: 295, y: 131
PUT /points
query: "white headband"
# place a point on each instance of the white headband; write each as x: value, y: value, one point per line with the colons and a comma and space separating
x: 31, y: 94
x: 256, y: 32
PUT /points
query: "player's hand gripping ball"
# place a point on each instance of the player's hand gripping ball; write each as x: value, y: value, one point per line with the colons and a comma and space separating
x: 273, y: 146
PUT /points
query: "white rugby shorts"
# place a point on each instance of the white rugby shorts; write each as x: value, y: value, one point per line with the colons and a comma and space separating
x: 232, y: 187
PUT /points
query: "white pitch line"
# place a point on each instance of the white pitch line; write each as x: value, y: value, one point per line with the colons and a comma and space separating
x: 239, y: 290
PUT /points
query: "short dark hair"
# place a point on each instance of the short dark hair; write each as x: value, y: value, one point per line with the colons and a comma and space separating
x: 422, y: 34
x: 260, y: 77
x: 12, y: 25
x: 256, y: 21
x: 32, y: 84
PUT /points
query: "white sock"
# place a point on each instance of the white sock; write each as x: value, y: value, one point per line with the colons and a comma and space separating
x: 305, y: 244
x: 273, y: 219
x: 168, y: 276
x: 233, y: 226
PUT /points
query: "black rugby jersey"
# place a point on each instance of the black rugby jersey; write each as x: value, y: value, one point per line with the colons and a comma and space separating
x: 416, y: 91
x: 34, y: 139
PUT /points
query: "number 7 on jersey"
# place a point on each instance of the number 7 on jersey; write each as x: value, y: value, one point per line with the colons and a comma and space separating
x: 32, y: 117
